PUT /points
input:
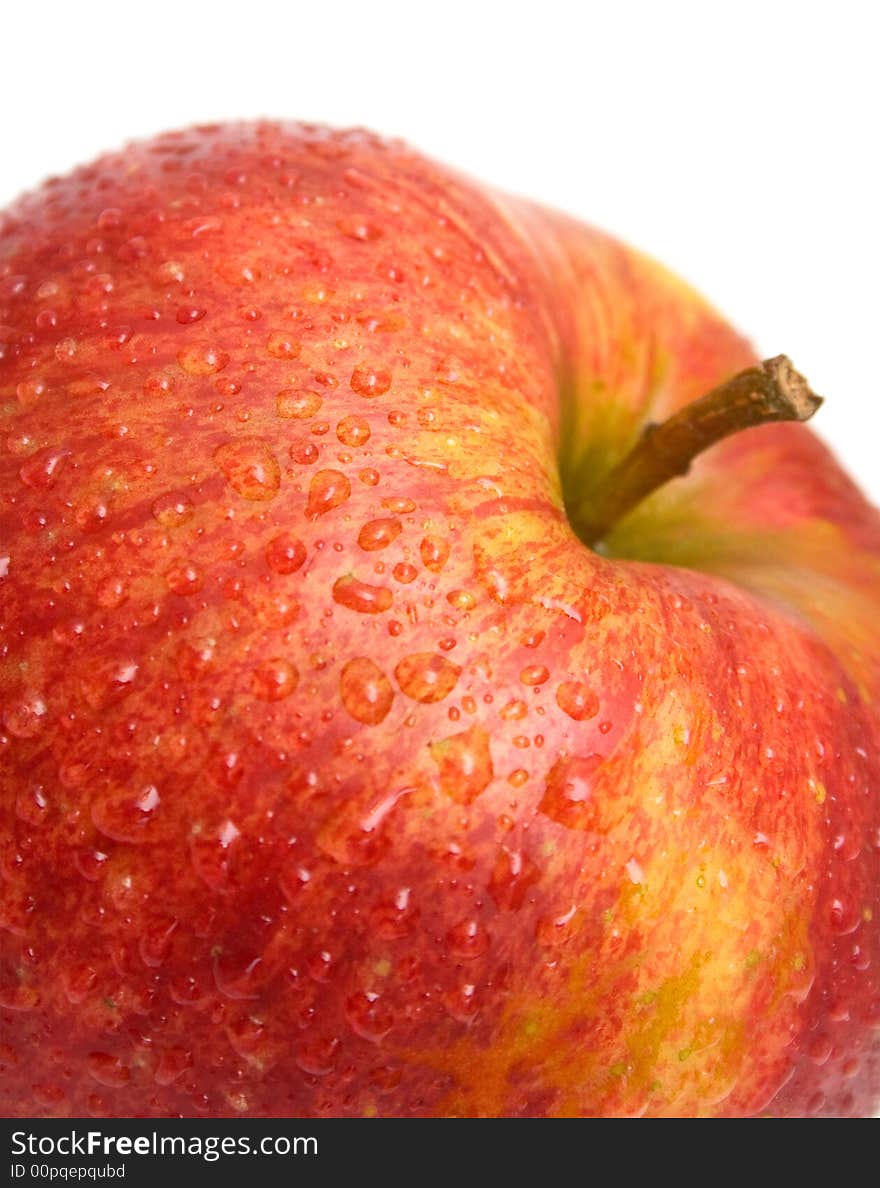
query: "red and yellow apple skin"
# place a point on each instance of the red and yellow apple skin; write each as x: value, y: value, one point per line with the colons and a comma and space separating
x: 339, y: 777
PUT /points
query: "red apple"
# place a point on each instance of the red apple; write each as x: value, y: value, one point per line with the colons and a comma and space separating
x: 340, y: 775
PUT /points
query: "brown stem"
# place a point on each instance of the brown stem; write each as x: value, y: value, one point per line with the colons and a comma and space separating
x: 771, y: 391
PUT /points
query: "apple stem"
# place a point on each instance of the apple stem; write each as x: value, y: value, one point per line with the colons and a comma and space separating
x: 771, y: 391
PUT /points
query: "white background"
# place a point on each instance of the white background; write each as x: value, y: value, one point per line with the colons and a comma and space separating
x: 738, y: 142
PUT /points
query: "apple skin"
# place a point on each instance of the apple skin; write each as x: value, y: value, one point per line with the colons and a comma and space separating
x: 339, y: 777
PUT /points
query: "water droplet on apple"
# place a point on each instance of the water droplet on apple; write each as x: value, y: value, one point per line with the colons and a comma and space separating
x: 28, y: 392
x: 172, y: 1064
x: 844, y: 916
x: 370, y: 381
x: 462, y: 1002
x: 293, y: 405
x: 367, y: 1016
x: 293, y: 879
x: 378, y: 534
x: 461, y: 600
x: 249, y: 1038
x: 110, y: 219
x: 201, y: 359
x: 557, y: 928
x: 87, y: 385
x: 820, y: 1049
x: 66, y: 350
x: 187, y: 315
x: 568, y: 794
x: 79, y: 981
x: 154, y: 942
x: 495, y: 583
x: 32, y: 805
x: 159, y: 385
x: 358, y: 596
x: 210, y: 854
x: 357, y: 227
x: 512, y: 876
x: 285, y: 554
x: 427, y: 677
x: 274, y: 680
x: 467, y: 940
x: 534, y: 674
x: 400, y: 505
x: 239, y: 976
x: 125, y: 815
x: 250, y: 468
x: 91, y: 513
x: 281, y: 345
x: 328, y: 489
x: 317, y: 1056
x: 320, y: 965
x: 577, y: 700
x: 393, y: 918
x: 184, y: 578
x: 404, y: 572
x: 111, y: 593
x: 108, y: 1070
x: 365, y: 691
x: 18, y: 996
x: 465, y: 764
x: 353, y: 431
x: 186, y: 989
x: 25, y: 715
x: 172, y: 509
x: 91, y: 864
x: 304, y: 453
x: 41, y: 470
x: 434, y: 552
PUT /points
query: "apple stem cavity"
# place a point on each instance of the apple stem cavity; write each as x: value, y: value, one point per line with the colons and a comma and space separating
x: 771, y: 391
